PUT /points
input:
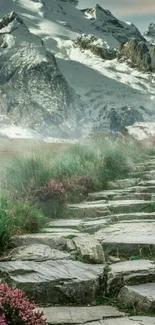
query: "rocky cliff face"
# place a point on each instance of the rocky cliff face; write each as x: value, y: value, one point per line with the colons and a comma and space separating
x: 33, y: 92
x: 139, y: 54
x: 150, y: 33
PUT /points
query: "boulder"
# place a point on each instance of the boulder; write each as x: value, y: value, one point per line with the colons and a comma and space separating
x: 55, y: 282
x: 89, y: 249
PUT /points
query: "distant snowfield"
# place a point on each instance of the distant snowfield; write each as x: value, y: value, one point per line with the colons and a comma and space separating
x: 99, y: 83
x: 16, y: 132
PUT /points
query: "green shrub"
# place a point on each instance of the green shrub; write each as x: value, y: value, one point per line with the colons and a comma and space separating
x: 17, y: 217
x: 114, y: 165
x: 27, y: 172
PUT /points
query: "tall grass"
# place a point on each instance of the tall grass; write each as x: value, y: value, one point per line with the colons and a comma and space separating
x: 17, y: 217
x: 81, y: 168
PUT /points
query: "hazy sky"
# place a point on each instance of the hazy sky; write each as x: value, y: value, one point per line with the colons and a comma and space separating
x: 140, y: 12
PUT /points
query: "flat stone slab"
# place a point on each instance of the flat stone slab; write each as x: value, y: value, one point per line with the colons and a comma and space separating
x: 139, y: 320
x: 60, y: 230
x: 79, y: 315
x: 92, y: 226
x: 38, y: 253
x: 124, y: 183
x: 65, y: 223
x: 110, y: 194
x: 132, y: 216
x: 93, y: 209
x: 141, y: 297
x: 88, y: 209
x: 51, y: 240
x: 130, y: 272
x: 128, y: 239
x: 147, y: 183
x: 55, y: 282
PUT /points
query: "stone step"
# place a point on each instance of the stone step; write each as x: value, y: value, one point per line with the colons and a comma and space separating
x: 147, y: 183
x: 128, y: 239
x: 56, y: 282
x: 64, y: 223
x: 129, y: 273
x: 132, y: 196
x: 143, y: 175
x: 111, y: 194
x: 140, y: 297
x: 79, y: 315
x: 94, y: 209
x: 132, y: 216
x: 51, y: 240
x: 124, y: 183
x: 139, y: 320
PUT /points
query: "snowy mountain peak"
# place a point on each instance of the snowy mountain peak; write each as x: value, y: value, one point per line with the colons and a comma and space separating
x: 10, y: 22
x: 150, y: 33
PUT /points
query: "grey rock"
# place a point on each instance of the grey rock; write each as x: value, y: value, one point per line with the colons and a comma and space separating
x: 139, y: 54
x: 124, y: 183
x: 128, y: 239
x: 88, y: 210
x: 95, y: 45
x: 79, y: 315
x: 51, y: 240
x: 139, y: 320
x: 141, y: 297
x: 38, y: 253
x: 55, y: 282
x: 129, y: 272
x: 114, y: 259
x: 89, y: 249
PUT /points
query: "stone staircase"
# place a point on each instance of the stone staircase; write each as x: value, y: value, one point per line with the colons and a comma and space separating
x: 81, y: 269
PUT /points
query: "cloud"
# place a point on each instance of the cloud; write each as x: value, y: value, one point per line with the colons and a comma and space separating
x: 124, y: 7
x: 135, y: 7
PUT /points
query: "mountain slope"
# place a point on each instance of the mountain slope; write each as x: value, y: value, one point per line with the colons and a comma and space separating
x: 112, y: 93
x: 33, y: 91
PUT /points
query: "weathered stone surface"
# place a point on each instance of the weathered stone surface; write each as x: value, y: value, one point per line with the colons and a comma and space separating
x: 124, y: 183
x: 130, y: 272
x: 141, y: 297
x: 78, y: 315
x: 38, y: 253
x: 97, y: 208
x: 94, y: 225
x: 61, y: 231
x: 139, y: 54
x: 87, y: 210
x: 128, y: 239
x: 89, y: 249
x: 55, y: 282
x: 65, y: 223
x: 56, y: 242
x: 132, y: 216
x: 113, y: 259
x: 139, y: 320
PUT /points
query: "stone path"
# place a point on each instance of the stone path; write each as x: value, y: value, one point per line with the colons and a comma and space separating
x: 105, y: 251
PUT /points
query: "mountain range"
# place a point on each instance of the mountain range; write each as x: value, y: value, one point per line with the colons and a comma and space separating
x: 66, y: 72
